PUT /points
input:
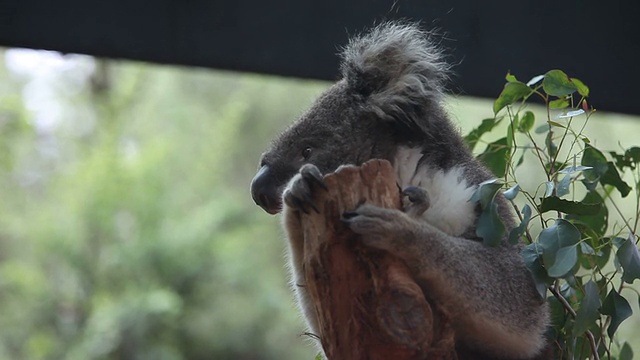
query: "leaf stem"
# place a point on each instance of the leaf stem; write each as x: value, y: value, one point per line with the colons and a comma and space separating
x: 569, y: 309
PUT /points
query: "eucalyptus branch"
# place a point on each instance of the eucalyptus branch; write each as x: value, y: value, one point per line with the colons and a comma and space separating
x: 569, y: 309
x: 626, y: 223
x: 539, y: 156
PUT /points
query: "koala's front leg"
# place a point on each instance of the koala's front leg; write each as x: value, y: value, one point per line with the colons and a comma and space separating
x: 415, y: 201
x: 488, y: 292
x: 298, y: 197
x: 385, y: 229
x: 299, y: 193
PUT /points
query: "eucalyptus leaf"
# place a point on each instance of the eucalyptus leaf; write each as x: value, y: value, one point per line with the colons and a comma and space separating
x: 549, y: 186
x: 598, y: 221
x: 588, y: 313
x: 594, y: 158
x: 534, y: 80
x: 485, y: 126
x: 562, y: 188
x: 556, y: 124
x: 558, y: 104
x: 629, y: 260
x: 516, y: 233
x: 568, y: 207
x: 490, y: 227
x: 559, y: 235
x: 612, y: 177
x: 495, y: 157
x: 512, y: 192
x: 582, y: 88
x: 512, y: 92
x: 626, y: 353
x: 616, y: 306
x: 526, y: 122
x: 574, y: 169
x: 557, y: 83
x: 510, y: 77
x: 565, y: 259
x: 531, y: 254
x: 485, y: 192
x: 569, y: 113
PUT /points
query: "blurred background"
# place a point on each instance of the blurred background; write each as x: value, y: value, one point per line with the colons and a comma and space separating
x: 126, y: 227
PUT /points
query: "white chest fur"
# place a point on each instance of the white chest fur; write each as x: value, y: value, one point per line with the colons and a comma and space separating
x: 449, y: 192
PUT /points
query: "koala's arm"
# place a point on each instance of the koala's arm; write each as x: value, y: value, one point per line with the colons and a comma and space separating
x: 487, y: 291
x: 295, y: 237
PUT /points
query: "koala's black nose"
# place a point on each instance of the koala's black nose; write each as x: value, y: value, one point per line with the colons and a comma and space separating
x: 265, y: 192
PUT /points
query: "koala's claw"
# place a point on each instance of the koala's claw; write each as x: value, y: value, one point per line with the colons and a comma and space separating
x: 299, y: 194
x: 379, y: 226
x: 415, y: 201
x: 312, y: 174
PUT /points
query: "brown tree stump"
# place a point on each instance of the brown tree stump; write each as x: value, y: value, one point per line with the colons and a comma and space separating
x: 367, y: 303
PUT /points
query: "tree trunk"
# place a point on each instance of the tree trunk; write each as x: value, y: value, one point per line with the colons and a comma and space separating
x: 367, y: 303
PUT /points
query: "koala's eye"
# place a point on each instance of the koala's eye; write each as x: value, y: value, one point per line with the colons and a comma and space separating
x: 306, y: 153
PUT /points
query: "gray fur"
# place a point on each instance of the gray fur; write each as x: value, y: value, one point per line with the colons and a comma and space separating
x: 390, y: 100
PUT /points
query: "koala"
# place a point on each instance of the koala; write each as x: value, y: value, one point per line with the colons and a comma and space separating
x: 388, y: 104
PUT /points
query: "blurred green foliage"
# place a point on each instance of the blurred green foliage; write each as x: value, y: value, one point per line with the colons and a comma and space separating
x: 127, y: 230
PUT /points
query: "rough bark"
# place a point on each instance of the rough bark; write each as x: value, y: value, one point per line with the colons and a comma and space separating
x: 368, y: 305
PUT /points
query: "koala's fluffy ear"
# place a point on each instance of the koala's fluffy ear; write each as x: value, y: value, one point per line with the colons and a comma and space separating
x: 396, y: 68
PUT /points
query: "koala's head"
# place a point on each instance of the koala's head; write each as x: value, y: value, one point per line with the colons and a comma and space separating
x: 389, y: 95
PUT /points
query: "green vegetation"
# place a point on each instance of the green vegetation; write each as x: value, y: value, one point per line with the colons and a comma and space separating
x: 582, y: 263
x: 127, y: 231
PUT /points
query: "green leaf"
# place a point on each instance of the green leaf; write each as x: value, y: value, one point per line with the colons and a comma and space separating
x: 633, y: 154
x: 569, y: 113
x: 582, y: 88
x: 612, y: 177
x: 485, y: 192
x: 558, y: 104
x: 568, y: 207
x: 485, y: 126
x: 531, y: 254
x: 559, y: 235
x: 552, y: 148
x: 556, y: 124
x: 603, y: 256
x: 587, y: 314
x: 512, y: 192
x: 626, y: 353
x: 557, y: 83
x: 495, y: 157
x: 595, y: 159
x: 526, y: 122
x: 618, y: 308
x: 565, y: 259
x: 563, y: 186
x: 512, y: 92
x: 516, y: 233
x: 590, y: 258
x: 621, y: 160
x: 629, y: 260
x: 490, y: 226
x: 574, y: 169
x: 534, y: 80
x: 597, y: 222
x: 511, y: 78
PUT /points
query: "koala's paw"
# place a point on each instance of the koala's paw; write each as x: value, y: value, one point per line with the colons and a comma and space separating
x: 415, y: 201
x: 299, y: 193
x: 380, y: 228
